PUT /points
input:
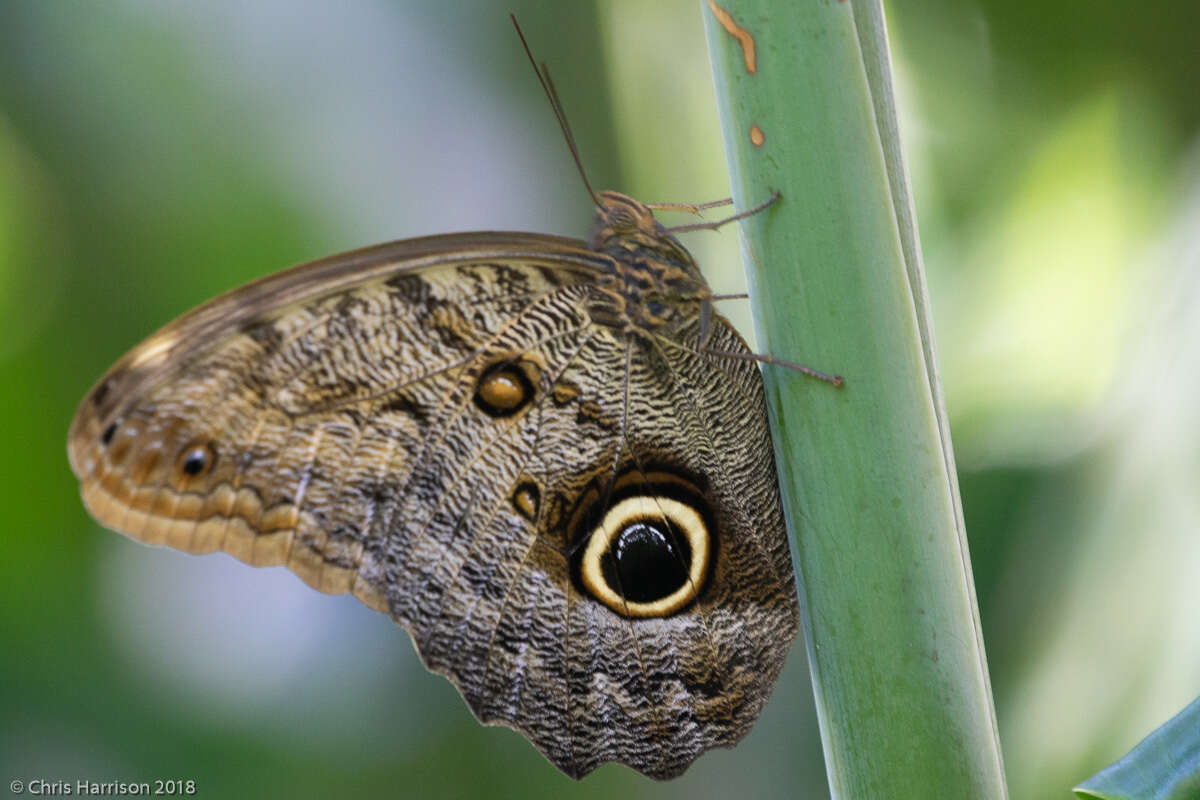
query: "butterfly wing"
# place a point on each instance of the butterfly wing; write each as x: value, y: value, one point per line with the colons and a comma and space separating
x: 437, y: 426
x: 672, y: 687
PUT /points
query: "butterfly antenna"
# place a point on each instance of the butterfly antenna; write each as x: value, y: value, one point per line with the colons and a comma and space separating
x: 543, y: 73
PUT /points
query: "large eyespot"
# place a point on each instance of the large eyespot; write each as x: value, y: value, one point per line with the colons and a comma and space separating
x: 504, y: 389
x: 648, y: 556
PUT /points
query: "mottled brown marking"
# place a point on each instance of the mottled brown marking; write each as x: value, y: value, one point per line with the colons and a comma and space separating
x: 450, y: 323
x: 118, y: 452
x: 591, y: 411
x: 564, y: 393
x: 144, y: 464
x: 741, y: 34
x: 100, y: 393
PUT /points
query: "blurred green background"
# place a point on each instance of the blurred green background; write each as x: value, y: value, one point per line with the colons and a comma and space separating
x: 154, y: 153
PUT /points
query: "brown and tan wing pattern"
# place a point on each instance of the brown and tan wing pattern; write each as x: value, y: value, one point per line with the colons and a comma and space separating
x: 439, y: 427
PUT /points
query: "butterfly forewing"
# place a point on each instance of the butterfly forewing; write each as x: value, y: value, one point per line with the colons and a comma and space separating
x: 439, y: 427
x: 312, y: 405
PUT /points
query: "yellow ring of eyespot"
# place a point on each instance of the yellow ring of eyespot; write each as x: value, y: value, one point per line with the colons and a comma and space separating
x: 685, y: 518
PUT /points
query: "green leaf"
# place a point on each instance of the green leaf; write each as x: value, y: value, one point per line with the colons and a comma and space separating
x: 867, y: 472
x: 1164, y: 766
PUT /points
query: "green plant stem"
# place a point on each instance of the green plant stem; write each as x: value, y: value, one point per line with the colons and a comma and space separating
x: 867, y: 472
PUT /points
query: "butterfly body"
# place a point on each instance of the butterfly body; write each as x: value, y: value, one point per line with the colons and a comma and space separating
x: 654, y: 285
x: 530, y: 451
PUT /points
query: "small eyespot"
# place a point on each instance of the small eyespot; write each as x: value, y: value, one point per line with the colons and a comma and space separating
x: 109, y: 432
x: 657, y: 308
x: 526, y: 498
x: 503, y: 390
x: 196, y: 459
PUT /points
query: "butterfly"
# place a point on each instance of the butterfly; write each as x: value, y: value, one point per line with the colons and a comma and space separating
x: 547, y: 459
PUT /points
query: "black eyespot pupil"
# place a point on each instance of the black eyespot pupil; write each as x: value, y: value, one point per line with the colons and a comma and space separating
x: 109, y: 433
x: 656, y: 307
x: 195, y: 461
x: 648, y: 561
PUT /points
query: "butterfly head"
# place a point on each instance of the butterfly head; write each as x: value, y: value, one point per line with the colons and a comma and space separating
x: 628, y: 225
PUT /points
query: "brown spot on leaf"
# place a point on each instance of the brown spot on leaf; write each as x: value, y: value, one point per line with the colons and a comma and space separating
x: 756, y: 136
x: 741, y: 34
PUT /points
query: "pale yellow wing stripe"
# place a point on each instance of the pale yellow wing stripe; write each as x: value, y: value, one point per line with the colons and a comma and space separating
x: 201, y: 522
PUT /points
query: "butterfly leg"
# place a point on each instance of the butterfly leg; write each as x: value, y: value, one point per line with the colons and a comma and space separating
x: 691, y: 208
x: 836, y: 380
x: 712, y: 226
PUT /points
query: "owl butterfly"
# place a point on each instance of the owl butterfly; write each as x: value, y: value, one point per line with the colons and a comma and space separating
x: 547, y: 459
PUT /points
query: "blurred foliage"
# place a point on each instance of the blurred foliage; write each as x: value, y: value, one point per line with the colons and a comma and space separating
x: 1164, y: 766
x: 153, y: 154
